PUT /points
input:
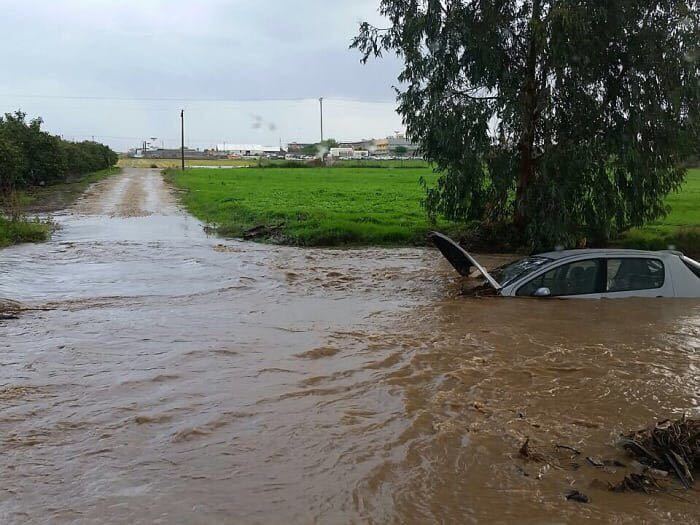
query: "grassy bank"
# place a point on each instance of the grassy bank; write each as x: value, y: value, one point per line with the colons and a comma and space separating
x: 55, y: 197
x: 311, y: 206
x: 680, y: 228
x: 45, y: 199
x: 22, y: 230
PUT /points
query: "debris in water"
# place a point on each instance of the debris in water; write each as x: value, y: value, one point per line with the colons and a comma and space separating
x: 597, y: 462
x: 262, y: 230
x: 527, y: 453
x: 567, y: 447
x: 670, y: 446
x: 575, y: 495
x: 9, y: 309
x: 638, y: 483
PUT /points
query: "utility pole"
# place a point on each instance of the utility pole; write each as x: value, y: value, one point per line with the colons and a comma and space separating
x: 320, y: 101
x: 182, y: 137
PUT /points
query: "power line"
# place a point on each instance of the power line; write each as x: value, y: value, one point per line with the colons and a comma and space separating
x: 196, y: 100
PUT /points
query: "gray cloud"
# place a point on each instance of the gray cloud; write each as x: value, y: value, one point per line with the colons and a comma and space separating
x: 215, y: 49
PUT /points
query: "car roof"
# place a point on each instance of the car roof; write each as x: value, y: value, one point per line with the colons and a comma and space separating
x: 607, y: 252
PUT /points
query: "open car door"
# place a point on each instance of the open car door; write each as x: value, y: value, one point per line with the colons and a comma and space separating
x: 460, y: 258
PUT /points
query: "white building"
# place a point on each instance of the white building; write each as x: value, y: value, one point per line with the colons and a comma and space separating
x: 247, y: 150
x: 340, y: 153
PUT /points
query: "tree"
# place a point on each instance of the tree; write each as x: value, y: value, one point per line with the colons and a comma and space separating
x: 46, y: 158
x: 320, y: 147
x: 309, y: 149
x: 568, y: 120
x: 401, y: 150
x: 11, y: 166
x: 43, y: 158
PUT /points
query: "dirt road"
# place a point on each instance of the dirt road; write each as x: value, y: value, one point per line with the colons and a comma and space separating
x: 171, y: 377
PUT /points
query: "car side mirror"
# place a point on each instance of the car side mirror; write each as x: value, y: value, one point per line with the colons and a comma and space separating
x: 542, y: 292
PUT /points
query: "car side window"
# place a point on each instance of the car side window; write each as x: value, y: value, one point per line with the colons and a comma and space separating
x: 576, y: 278
x: 627, y: 274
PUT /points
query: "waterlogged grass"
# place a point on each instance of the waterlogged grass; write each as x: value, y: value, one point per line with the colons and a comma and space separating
x: 680, y: 228
x: 43, y: 200
x: 312, y: 206
x: 19, y: 231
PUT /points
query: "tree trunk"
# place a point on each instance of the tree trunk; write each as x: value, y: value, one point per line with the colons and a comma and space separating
x: 526, y: 143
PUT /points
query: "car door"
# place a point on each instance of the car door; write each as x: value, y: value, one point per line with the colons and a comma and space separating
x: 460, y: 259
x: 635, y: 276
x: 583, y: 278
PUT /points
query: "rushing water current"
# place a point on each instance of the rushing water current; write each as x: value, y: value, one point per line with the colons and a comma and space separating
x: 163, y: 376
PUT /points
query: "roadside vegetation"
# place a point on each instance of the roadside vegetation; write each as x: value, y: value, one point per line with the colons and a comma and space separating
x: 40, y: 169
x: 15, y: 231
x: 312, y: 206
x: 126, y: 162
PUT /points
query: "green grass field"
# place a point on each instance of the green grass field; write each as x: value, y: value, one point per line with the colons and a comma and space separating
x: 312, y: 206
x: 368, y: 206
x: 680, y: 228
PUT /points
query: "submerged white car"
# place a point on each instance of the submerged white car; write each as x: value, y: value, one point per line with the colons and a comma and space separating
x: 585, y: 274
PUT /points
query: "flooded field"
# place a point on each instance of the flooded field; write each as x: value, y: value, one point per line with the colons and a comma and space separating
x: 164, y: 376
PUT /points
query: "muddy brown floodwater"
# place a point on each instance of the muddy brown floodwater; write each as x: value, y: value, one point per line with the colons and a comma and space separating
x: 168, y: 377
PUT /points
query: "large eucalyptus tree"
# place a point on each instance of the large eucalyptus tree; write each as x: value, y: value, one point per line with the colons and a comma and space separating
x: 569, y: 119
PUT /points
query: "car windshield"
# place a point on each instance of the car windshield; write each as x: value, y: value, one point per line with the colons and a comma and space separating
x: 508, y: 273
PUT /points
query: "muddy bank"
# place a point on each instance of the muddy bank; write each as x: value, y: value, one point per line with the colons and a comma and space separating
x: 57, y: 197
x: 172, y: 376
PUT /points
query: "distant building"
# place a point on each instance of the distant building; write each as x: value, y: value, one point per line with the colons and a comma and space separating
x: 339, y: 153
x: 399, y: 140
x: 381, y: 146
x: 359, y: 145
x: 249, y: 150
x: 174, y: 153
x: 390, y: 145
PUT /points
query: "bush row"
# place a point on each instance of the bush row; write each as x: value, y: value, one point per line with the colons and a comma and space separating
x: 30, y: 156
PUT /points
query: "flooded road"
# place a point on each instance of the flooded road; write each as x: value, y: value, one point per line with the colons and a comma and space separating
x: 167, y: 377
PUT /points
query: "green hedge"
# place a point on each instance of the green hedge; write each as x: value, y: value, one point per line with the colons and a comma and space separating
x: 32, y: 157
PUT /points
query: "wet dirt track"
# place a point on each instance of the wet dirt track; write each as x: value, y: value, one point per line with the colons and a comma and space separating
x: 170, y: 377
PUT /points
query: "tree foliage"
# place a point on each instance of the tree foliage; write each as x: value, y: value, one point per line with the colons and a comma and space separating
x: 567, y: 119
x: 320, y: 148
x: 30, y: 156
x: 11, y: 166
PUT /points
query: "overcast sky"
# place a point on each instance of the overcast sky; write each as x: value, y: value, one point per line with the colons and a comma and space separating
x: 246, y: 52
